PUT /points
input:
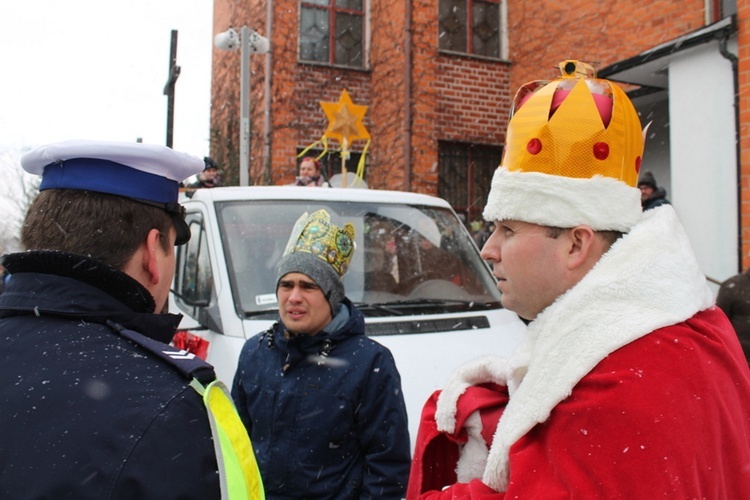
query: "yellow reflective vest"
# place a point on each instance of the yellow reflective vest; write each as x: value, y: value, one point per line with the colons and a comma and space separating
x: 238, y: 470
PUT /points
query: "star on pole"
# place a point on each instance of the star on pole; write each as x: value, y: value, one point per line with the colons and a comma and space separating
x: 345, y: 120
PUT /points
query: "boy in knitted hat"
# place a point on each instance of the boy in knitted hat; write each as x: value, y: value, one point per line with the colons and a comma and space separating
x: 323, y: 401
x: 630, y: 382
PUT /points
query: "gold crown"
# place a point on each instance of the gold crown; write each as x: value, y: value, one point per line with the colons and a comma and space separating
x: 316, y: 235
x: 572, y: 139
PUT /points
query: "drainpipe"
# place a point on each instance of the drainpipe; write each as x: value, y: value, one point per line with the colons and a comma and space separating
x: 267, y: 99
x: 733, y: 60
x: 407, y: 96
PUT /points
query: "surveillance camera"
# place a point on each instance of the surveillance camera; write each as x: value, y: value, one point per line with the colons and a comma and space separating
x: 229, y: 40
x: 258, y: 44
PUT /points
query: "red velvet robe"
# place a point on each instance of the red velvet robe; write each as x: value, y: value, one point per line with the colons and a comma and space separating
x: 665, y: 416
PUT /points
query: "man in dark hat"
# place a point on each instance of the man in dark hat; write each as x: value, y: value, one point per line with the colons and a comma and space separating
x: 208, y: 178
x: 95, y: 403
x: 322, y: 401
x: 652, y: 196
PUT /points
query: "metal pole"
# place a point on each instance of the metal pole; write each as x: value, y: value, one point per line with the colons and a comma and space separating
x: 267, y: 96
x: 174, y: 73
x: 245, y: 108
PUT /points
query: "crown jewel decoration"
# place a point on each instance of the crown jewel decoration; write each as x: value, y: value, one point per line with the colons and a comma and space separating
x: 316, y: 235
x: 576, y: 126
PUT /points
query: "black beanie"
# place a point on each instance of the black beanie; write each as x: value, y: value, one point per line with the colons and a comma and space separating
x: 647, y: 179
x: 317, y: 270
x: 321, y: 251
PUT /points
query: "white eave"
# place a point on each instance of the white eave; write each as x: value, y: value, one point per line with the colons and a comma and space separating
x: 648, y: 69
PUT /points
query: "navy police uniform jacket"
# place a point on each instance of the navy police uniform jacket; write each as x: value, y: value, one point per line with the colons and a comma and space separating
x: 84, y: 412
x: 325, y: 413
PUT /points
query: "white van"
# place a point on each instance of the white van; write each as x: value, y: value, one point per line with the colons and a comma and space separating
x: 416, y: 275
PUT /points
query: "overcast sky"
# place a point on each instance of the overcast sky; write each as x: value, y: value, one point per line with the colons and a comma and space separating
x: 96, y: 69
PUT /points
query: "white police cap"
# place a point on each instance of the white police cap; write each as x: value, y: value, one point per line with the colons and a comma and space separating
x: 146, y: 173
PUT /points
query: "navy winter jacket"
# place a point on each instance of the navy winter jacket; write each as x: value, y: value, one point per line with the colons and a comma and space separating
x: 84, y: 412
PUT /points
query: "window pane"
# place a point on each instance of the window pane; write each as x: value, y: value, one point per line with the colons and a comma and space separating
x: 485, y: 160
x: 195, y: 280
x: 465, y: 174
x: 453, y: 166
x: 452, y: 25
x: 349, y: 39
x: 205, y: 276
x: 313, y: 37
x: 324, y: 3
x: 486, y: 30
x: 349, y: 4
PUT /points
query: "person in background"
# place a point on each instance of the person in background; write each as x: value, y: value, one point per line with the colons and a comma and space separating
x: 481, y: 236
x: 95, y: 403
x: 209, y: 177
x: 310, y: 173
x: 734, y: 300
x: 652, y: 196
x: 629, y: 382
x: 322, y: 401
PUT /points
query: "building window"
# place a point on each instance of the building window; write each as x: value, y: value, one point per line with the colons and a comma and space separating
x: 332, y: 31
x: 471, y: 27
x: 465, y: 174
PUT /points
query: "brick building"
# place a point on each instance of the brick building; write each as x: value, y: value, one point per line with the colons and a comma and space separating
x: 438, y: 79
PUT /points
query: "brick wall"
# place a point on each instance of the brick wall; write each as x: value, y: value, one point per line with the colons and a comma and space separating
x: 423, y: 108
x: 453, y: 98
x: 743, y: 74
x: 472, y: 100
x: 388, y: 104
x: 547, y: 32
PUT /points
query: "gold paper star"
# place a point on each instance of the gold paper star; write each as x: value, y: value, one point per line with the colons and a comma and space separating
x: 345, y: 120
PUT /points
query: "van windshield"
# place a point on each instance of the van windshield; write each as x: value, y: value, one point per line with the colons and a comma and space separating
x: 409, y: 259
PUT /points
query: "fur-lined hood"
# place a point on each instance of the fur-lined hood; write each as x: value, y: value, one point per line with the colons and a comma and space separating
x: 649, y: 279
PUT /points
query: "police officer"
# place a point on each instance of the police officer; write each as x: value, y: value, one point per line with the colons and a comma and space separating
x: 94, y: 402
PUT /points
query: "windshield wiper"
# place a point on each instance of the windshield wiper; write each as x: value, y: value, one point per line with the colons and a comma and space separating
x: 396, y: 307
x: 380, y: 307
x: 265, y: 312
x: 472, y: 304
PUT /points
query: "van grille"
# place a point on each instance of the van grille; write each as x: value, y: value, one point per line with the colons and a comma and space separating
x: 426, y: 326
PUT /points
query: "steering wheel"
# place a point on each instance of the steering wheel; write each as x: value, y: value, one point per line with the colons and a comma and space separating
x: 415, y: 279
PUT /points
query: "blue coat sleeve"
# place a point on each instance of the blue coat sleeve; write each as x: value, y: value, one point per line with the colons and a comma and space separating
x: 175, y: 457
x: 238, y: 393
x: 384, y: 432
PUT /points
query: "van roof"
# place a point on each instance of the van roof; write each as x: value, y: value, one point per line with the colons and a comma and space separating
x: 307, y: 193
